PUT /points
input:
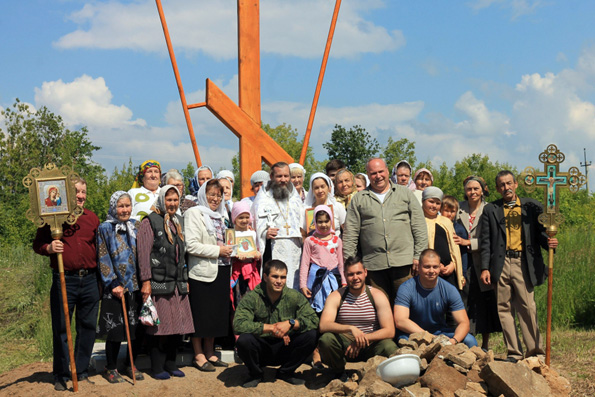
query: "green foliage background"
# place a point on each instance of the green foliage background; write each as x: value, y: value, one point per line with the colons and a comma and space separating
x: 31, y: 139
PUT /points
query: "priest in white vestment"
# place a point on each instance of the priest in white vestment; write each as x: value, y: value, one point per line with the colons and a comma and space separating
x: 278, y: 214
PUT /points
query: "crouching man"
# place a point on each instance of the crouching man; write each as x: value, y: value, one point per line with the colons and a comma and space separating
x: 423, y: 301
x: 356, y: 322
x: 276, y: 326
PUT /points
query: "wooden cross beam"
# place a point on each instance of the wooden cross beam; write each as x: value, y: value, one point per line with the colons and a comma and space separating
x: 244, y: 121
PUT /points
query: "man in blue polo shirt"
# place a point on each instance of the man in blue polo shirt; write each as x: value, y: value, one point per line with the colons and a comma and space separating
x: 423, y: 301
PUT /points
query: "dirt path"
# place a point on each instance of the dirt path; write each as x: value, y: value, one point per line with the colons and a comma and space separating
x: 36, y: 380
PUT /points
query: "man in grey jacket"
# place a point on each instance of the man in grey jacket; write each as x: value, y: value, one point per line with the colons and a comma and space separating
x: 386, y: 224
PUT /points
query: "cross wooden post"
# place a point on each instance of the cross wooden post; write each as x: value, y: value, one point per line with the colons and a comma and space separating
x: 552, y: 180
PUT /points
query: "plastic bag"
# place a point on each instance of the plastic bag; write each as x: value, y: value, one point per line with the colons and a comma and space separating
x: 148, y: 313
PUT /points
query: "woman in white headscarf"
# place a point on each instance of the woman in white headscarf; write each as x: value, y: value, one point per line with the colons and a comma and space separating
x: 321, y: 193
x: 298, y: 173
x: 209, y: 266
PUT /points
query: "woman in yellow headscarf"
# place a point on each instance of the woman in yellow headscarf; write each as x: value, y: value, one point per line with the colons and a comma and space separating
x: 145, y: 189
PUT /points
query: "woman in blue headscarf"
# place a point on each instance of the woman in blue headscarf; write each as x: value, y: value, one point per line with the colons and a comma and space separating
x: 116, y: 250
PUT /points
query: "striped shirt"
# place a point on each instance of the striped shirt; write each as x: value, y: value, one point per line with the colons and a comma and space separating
x: 359, y: 312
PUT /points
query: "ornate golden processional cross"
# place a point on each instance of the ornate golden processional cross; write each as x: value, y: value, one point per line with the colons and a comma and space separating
x: 552, y: 180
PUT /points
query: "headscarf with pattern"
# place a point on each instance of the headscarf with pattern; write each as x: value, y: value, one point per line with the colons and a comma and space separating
x: 112, y: 215
x: 159, y: 208
x: 138, y: 180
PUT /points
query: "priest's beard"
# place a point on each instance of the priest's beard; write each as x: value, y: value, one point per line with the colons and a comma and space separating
x: 280, y: 192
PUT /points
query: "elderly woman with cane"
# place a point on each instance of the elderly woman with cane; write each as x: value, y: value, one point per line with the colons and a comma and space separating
x: 116, y: 250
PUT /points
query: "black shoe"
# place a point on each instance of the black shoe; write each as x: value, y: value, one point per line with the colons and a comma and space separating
x: 252, y: 382
x: 59, y: 385
x: 342, y: 376
x: 85, y: 378
x: 291, y: 379
x: 511, y: 360
x: 219, y: 363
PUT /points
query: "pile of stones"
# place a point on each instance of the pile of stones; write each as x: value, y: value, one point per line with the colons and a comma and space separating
x: 454, y: 370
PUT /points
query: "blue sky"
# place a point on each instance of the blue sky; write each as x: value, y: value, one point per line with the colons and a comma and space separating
x: 498, y: 77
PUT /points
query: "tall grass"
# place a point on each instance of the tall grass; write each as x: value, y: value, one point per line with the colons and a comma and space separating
x: 573, y: 299
x: 24, y: 307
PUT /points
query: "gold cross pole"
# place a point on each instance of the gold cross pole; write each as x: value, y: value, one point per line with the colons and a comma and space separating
x: 52, y: 197
x: 552, y: 180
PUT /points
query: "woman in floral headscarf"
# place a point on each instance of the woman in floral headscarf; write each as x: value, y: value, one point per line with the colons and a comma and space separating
x: 145, y: 189
x: 164, y: 276
x: 116, y: 250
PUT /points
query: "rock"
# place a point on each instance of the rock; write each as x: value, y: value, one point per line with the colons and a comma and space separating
x: 407, y: 343
x: 430, y: 351
x: 479, y: 387
x: 415, y: 390
x: 368, y: 373
x: 424, y: 364
x: 473, y: 376
x: 482, y: 362
x: 457, y: 349
x: 442, y: 339
x: 460, y: 369
x: 478, y: 352
x: 513, y: 380
x: 559, y: 385
x: 421, y: 338
x: 442, y: 380
x: 402, y: 350
x: 334, y: 386
x: 380, y: 389
x: 467, y: 393
x: 349, y: 387
x: 465, y: 359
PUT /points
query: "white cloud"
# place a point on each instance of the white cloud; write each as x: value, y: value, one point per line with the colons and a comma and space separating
x: 518, y: 8
x: 295, y: 28
x: 84, y: 101
x: 481, y: 121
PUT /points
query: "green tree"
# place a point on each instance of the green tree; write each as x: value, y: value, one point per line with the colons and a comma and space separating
x: 354, y: 147
x: 32, y: 139
x: 395, y: 151
x: 102, y: 190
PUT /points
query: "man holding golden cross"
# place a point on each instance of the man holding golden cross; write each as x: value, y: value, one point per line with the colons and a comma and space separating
x: 513, y: 232
x: 78, y: 248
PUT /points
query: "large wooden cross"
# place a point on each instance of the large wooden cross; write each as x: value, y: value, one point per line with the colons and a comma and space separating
x: 243, y: 119
x: 551, y: 179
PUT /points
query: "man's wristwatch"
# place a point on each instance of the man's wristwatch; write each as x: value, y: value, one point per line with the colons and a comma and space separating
x: 291, y: 323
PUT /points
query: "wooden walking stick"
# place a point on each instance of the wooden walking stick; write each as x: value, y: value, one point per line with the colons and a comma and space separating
x: 551, y: 179
x: 52, y: 197
x: 128, y: 336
